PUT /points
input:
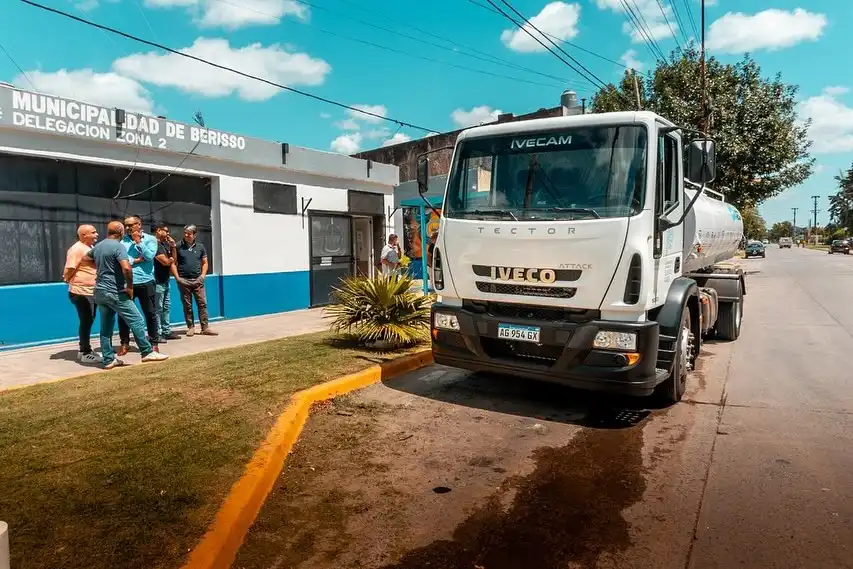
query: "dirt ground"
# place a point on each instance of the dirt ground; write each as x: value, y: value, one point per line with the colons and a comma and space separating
x: 441, y: 469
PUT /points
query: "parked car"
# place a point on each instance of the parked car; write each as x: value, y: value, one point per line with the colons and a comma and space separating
x: 755, y: 249
x: 785, y: 243
x: 840, y: 246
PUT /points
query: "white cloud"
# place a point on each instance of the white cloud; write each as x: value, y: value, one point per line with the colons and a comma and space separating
x: 234, y: 15
x: 477, y: 115
x: 347, y: 143
x: 770, y: 29
x: 398, y: 138
x: 557, y: 19
x: 836, y: 91
x: 105, y: 89
x: 325, y: 116
x: 348, y: 124
x: 629, y: 58
x: 832, y: 122
x: 819, y: 168
x: 271, y: 62
x: 375, y: 109
x: 649, y: 12
x: 85, y: 5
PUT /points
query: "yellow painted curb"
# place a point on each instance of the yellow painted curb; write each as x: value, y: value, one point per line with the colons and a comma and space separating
x: 218, y: 548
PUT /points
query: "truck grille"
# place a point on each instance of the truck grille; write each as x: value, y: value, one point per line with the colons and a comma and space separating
x: 526, y: 290
x: 528, y: 312
x: 528, y: 353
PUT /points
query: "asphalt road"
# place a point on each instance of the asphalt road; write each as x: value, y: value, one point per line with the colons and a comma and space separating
x: 442, y: 469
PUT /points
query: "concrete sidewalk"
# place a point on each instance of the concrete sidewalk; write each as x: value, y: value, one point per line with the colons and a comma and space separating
x: 29, y: 366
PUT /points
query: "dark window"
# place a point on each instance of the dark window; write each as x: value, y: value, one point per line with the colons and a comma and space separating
x: 365, y: 202
x: 42, y: 201
x: 268, y: 197
x: 667, y: 173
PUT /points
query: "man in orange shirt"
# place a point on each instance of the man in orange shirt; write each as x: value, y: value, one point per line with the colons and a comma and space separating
x: 80, y: 275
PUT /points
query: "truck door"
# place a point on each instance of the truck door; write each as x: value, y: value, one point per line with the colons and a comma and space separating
x: 669, y: 244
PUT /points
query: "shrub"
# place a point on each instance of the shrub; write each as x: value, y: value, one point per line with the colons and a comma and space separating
x: 380, y: 310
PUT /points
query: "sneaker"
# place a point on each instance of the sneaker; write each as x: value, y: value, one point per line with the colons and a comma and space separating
x: 190, y: 331
x: 155, y: 357
x: 90, y: 358
x: 170, y: 336
x: 209, y: 332
x: 122, y: 351
x: 115, y: 363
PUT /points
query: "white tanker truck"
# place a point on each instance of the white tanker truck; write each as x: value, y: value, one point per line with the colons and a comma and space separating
x: 584, y: 250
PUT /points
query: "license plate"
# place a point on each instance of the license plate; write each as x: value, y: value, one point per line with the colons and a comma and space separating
x: 518, y: 333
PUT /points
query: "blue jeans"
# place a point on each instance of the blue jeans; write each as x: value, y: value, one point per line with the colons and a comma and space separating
x: 162, y: 306
x: 110, y: 304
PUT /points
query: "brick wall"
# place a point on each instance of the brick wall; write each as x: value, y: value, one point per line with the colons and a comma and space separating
x: 405, y: 154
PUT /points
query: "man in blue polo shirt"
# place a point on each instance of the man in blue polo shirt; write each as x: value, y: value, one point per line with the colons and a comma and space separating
x: 141, y: 248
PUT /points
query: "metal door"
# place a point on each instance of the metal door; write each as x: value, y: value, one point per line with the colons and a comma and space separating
x: 331, y: 255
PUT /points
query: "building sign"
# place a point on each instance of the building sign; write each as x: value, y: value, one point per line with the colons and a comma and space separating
x: 59, y: 116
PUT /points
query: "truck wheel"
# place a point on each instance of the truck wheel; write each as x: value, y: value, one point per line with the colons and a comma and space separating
x: 729, y: 318
x: 672, y: 389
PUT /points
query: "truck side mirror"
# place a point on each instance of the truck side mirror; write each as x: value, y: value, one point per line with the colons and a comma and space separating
x: 701, y: 161
x: 423, y: 174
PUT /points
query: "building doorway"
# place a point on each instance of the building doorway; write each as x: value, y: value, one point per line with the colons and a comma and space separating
x: 363, y: 247
x: 332, y: 256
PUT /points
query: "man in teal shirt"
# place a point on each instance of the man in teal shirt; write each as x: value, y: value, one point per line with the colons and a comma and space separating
x: 141, y: 248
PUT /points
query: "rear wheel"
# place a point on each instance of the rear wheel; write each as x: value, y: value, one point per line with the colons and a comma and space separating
x: 729, y: 318
x: 672, y: 389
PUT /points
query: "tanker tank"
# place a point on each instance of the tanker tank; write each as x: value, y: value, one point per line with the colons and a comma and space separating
x: 716, y: 229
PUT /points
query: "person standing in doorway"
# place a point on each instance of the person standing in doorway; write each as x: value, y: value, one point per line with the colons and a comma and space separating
x: 190, y: 269
x: 430, y: 252
x: 114, y: 296
x: 141, y: 248
x: 391, y: 255
x: 80, y: 275
x: 163, y: 261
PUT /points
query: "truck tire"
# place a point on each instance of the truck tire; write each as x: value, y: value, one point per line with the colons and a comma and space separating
x: 729, y: 318
x: 672, y: 389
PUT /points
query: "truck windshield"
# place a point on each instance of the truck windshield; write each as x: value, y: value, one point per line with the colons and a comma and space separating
x: 579, y: 173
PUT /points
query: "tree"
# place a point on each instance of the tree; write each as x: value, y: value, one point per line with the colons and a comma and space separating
x: 781, y: 229
x: 754, y: 226
x: 841, y: 204
x: 762, y: 150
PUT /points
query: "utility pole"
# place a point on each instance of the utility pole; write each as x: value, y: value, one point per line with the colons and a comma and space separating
x: 794, y: 229
x: 637, y: 90
x: 814, y: 211
x: 702, y: 83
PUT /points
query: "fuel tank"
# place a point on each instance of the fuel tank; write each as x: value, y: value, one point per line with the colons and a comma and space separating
x: 713, y: 230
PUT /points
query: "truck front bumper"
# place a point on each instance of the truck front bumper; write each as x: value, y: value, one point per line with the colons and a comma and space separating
x: 564, y: 354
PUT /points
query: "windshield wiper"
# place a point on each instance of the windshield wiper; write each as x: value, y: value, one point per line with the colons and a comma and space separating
x: 584, y: 210
x: 491, y: 212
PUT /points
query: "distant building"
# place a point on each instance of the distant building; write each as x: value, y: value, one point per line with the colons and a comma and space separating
x: 405, y: 154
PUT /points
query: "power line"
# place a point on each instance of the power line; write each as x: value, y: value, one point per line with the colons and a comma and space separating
x: 666, y: 19
x: 524, y: 27
x: 690, y: 16
x: 680, y: 22
x: 642, y: 29
x: 15, y: 63
x: 482, y: 56
x: 224, y: 67
x: 555, y: 38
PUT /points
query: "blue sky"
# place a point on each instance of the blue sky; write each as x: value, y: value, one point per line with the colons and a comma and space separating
x: 337, y: 49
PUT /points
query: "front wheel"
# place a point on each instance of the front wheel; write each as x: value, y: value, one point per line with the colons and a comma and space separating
x: 672, y: 389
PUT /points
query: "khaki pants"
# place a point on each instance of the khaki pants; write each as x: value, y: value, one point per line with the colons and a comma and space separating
x: 194, y: 288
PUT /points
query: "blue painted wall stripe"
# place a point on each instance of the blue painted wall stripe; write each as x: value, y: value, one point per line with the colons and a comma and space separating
x: 42, y: 314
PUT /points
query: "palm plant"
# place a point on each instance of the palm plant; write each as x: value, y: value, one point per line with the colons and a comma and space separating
x: 384, y: 309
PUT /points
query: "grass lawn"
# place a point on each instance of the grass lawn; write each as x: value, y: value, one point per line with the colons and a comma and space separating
x: 127, y: 468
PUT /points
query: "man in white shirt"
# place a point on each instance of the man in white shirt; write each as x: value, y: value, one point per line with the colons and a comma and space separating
x: 391, y: 254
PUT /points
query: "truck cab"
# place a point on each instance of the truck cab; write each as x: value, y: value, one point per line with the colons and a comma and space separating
x: 564, y: 250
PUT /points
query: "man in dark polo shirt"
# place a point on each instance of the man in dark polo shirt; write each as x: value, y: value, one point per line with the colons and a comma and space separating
x: 163, y: 261
x: 189, y: 270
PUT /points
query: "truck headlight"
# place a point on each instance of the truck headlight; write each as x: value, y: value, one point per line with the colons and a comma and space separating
x: 446, y: 321
x: 607, y: 340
